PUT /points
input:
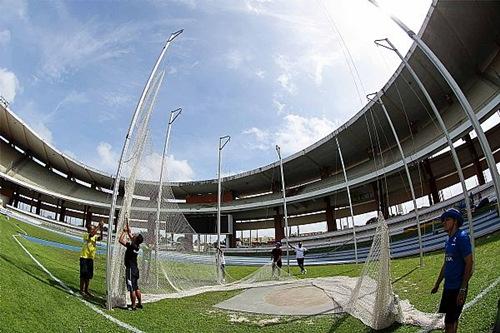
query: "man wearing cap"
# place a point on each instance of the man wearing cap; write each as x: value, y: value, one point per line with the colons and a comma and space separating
x: 456, y: 270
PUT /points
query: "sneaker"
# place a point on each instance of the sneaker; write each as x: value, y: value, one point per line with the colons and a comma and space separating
x: 131, y: 308
x: 139, y: 306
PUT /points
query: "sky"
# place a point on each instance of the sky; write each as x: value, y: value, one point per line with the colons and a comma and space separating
x: 264, y: 72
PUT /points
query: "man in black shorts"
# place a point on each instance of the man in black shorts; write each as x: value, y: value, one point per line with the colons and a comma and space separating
x: 131, y: 268
x: 456, y: 270
x: 276, y: 254
x: 87, y: 256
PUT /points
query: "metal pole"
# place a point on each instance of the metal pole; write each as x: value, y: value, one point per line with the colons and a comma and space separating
x: 116, y: 184
x: 222, y: 143
x: 173, y: 115
x: 350, y: 202
x: 285, y: 213
x: 476, y: 125
x: 408, y: 176
x: 443, y: 128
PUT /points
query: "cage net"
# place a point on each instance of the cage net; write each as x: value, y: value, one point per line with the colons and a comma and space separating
x: 173, y: 261
x: 372, y: 300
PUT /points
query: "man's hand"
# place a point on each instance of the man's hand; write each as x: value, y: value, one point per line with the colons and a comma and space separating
x: 461, y: 297
x: 435, y: 289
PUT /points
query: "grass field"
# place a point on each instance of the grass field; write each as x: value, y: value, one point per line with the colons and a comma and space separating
x: 31, y: 300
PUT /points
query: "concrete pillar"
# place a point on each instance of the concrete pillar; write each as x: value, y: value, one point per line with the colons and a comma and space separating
x: 380, y: 199
x: 231, y: 238
x: 432, y: 181
x: 188, y: 242
x: 38, y: 204
x: 62, y: 212
x: 279, y: 230
x: 475, y: 159
x: 331, y: 224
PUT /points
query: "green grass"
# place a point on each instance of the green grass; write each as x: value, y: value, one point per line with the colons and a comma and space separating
x: 31, y: 301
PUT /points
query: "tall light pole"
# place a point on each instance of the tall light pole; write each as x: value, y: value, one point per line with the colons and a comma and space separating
x: 350, y: 201
x: 118, y: 175
x: 223, y: 141
x: 442, y: 125
x: 173, y: 115
x: 408, y: 176
x: 476, y: 125
x: 285, y: 213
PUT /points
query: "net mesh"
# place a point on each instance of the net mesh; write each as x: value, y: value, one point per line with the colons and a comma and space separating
x: 172, y: 261
x: 372, y: 300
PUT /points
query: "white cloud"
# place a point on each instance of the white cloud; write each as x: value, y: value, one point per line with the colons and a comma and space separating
x: 150, y: 166
x: 108, y: 159
x: 259, y: 139
x: 114, y: 100
x: 296, y: 134
x: 260, y: 73
x: 280, y: 107
x: 73, y: 97
x: 80, y: 45
x: 4, y: 37
x: 177, y: 170
x: 299, y: 132
x: 9, y: 84
x: 235, y: 58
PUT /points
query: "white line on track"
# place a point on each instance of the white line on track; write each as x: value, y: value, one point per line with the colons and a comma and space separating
x: 90, y: 305
x: 476, y: 299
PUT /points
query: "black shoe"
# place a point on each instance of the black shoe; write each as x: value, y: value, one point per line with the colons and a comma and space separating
x: 139, y: 306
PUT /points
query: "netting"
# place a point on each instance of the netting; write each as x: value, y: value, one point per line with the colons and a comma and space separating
x: 368, y: 297
x: 372, y: 300
x: 172, y: 262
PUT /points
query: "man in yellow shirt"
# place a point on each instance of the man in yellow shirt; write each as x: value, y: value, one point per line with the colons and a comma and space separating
x: 87, y: 256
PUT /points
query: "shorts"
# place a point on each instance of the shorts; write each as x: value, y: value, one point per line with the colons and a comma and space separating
x: 300, y: 262
x: 86, y: 268
x: 131, y: 278
x: 278, y: 263
x: 449, y: 305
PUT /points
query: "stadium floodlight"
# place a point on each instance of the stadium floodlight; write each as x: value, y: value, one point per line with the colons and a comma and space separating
x: 119, y: 170
x: 223, y: 141
x: 388, y: 45
x: 476, y: 125
x: 378, y: 100
x: 285, y: 213
x: 350, y: 202
x: 173, y: 115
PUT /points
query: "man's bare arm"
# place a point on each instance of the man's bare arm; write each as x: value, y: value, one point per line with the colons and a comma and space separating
x: 439, y: 279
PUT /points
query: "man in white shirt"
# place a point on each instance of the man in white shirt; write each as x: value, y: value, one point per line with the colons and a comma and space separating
x: 299, y: 255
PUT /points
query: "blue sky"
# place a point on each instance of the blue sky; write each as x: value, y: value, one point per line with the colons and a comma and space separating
x: 264, y: 72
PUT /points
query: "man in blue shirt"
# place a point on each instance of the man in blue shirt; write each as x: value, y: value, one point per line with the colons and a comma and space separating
x: 456, y: 270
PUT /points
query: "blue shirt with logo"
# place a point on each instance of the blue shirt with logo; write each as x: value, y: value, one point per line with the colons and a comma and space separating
x: 457, y: 247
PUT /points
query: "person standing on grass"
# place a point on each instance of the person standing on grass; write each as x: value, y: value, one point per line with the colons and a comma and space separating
x: 456, y: 269
x: 87, y: 256
x: 221, y: 262
x: 299, y: 255
x: 131, y: 268
x: 276, y: 254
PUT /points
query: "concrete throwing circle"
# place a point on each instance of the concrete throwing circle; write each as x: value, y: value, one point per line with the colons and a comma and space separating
x: 287, y: 299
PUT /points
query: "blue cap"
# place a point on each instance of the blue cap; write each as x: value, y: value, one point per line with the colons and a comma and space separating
x: 454, y: 214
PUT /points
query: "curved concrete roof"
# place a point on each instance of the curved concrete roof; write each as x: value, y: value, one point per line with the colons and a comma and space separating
x: 463, y: 35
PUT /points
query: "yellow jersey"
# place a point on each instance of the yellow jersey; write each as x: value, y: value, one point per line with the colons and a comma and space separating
x: 89, y: 246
